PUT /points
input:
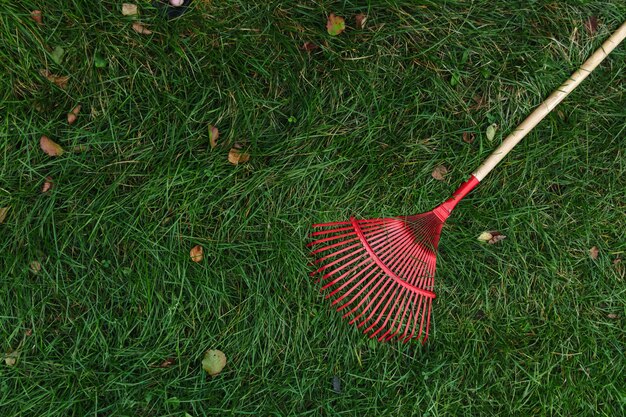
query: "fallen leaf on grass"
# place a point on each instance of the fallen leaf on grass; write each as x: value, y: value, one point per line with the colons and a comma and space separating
x: 491, y: 237
x: 335, y: 25
x: 50, y: 147
x: 468, y: 137
x: 612, y: 316
x: 3, y: 213
x: 47, y: 185
x: 591, y: 25
x: 57, y: 54
x: 309, y: 46
x: 34, y: 267
x: 196, y: 253
x: 594, y: 252
x: 491, y: 131
x: 236, y: 156
x: 439, y: 172
x: 73, y: 115
x: 37, y: 16
x: 11, y: 357
x: 59, y: 80
x: 214, y: 134
x: 141, y: 29
x: 129, y: 9
x: 360, y: 20
x: 167, y: 363
x: 213, y: 362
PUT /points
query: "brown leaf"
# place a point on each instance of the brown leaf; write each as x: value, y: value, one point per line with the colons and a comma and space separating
x: 360, y: 19
x: 236, y: 156
x: 496, y: 238
x: 468, y: 137
x: 214, y: 134
x: 35, y: 267
x: 591, y: 25
x: 335, y: 25
x: 167, y: 363
x: 59, y: 80
x: 594, y: 252
x: 612, y: 316
x: 47, y: 185
x: 3, y: 213
x: 309, y: 46
x: 196, y: 253
x: 439, y: 172
x: 129, y: 9
x: 50, y: 147
x: 73, y: 115
x: 141, y: 29
x: 37, y: 16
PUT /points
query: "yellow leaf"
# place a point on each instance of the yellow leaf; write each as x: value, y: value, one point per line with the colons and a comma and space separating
x: 3, y: 213
x: 213, y: 362
x: 485, y: 236
x: 129, y: 9
x: 50, y: 147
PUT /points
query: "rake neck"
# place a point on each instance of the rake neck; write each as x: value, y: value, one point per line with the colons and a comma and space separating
x: 443, y: 210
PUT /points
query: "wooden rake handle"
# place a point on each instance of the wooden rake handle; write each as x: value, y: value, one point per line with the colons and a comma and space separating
x: 550, y: 103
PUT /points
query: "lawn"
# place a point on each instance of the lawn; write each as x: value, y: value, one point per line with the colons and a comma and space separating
x: 102, y: 311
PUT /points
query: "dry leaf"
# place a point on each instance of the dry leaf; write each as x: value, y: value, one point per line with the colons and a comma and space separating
x: 439, y: 172
x: 309, y: 46
x: 129, y: 9
x: 213, y: 362
x: 236, y: 156
x: 491, y: 131
x: 612, y: 316
x: 335, y: 25
x: 35, y: 267
x: 491, y: 237
x: 50, y: 147
x: 468, y: 137
x: 47, y: 185
x: 360, y: 20
x: 11, y: 357
x: 59, y: 80
x: 594, y: 252
x: 167, y: 363
x: 73, y: 115
x: 3, y: 213
x: 591, y: 25
x: 141, y: 29
x: 37, y: 16
x: 214, y: 134
x: 196, y: 253
x: 496, y: 238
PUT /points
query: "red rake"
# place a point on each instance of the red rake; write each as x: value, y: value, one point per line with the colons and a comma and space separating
x: 380, y: 273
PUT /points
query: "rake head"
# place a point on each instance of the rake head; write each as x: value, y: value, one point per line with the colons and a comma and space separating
x: 380, y: 273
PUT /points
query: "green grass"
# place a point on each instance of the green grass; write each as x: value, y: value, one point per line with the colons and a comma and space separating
x: 530, y: 326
